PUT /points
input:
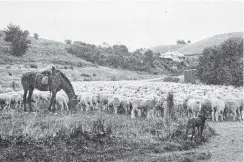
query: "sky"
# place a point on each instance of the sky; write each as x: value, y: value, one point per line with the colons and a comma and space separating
x: 134, y: 23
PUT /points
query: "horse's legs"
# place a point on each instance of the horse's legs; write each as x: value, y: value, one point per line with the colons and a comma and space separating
x: 53, y: 99
x: 29, y: 98
x: 212, y: 115
x: 24, y: 99
x: 222, y: 116
x: 133, y: 115
x: 198, y: 131
x: 216, y: 116
x: 193, y: 133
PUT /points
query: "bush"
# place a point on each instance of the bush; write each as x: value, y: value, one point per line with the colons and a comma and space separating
x: 68, y: 41
x: 36, y: 36
x: 85, y: 75
x: 34, y: 66
x: 222, y: 65
x: 17, y: 38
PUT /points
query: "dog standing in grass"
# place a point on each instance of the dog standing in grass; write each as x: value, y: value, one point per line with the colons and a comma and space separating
x: 196, y: 122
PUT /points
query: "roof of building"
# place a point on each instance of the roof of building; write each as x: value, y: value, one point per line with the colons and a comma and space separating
x: 170, y: 53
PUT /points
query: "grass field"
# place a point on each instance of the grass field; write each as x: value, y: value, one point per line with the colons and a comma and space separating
x: 90, y: 136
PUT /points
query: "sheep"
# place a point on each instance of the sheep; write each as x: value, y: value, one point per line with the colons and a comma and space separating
x: 232, y: 106
x: 62, y: 101
x: 45, y: 97
x: 141, y: 104
x: 193, y: 106
x: 158, y: 109
x: 16, y: 98
x: 103, y: 100
x: 85, y: 100
x: 5, y: 98
x: 218, y: 107
x: 114, y: 101
x: 125, y: 104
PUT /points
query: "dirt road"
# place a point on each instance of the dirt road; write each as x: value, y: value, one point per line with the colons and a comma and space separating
x: 227, y: 146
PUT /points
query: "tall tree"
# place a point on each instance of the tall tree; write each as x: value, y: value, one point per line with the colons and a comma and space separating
x: 17, y: 38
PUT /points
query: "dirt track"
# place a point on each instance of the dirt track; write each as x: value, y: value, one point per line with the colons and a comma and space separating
x: 227, y: 146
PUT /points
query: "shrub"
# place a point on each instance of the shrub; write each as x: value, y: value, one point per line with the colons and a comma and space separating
x: 85, y: 75
x: 17, y: 38
x: 36, y: 36
x: 34, y: 66
x: 68, y: 41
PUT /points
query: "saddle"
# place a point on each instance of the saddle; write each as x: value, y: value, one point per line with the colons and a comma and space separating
x: 44, y: 79
x: 41, y: 82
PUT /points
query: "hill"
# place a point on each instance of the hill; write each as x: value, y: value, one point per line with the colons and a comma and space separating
x: 41, y: 50
x: 166, y: 48
x: 196, y: 48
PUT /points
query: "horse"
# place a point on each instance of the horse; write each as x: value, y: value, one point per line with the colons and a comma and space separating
x: 49, y: 79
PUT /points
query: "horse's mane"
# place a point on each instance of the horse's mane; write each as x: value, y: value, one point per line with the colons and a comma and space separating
x: 65, y: 77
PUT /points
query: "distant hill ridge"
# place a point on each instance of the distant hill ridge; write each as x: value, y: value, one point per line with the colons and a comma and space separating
x: 198, y: 47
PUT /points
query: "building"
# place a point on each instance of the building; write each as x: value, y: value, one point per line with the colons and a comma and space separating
x: 173, y: 55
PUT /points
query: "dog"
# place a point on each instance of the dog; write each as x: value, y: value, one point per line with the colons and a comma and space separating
x: 194, y: 122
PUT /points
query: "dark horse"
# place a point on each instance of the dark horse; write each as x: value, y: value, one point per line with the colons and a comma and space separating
x: 56, y: 81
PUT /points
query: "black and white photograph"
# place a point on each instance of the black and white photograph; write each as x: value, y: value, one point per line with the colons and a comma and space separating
x: 121, y: 80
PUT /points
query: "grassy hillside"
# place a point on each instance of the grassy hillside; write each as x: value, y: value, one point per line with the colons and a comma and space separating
x: 166, y: 48
x: 196, y: 48
x: 41, y: 50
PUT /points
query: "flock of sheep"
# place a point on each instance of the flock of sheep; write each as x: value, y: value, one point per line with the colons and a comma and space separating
x: 139, y: 98
x: 149, y: 98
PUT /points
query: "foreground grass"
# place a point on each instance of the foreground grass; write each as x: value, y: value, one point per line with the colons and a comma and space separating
x: 88, y: 136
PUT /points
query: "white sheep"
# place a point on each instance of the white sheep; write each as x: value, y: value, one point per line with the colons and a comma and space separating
x: 5, y: 98
x: 15, y: 98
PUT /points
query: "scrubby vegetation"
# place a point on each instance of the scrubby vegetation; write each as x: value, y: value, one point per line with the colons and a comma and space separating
x: 222, y: 64
x: 118, y: 56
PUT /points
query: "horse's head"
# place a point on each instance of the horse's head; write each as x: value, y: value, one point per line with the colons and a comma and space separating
x: 73, y: 102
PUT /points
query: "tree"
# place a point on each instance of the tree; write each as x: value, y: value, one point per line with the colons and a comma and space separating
x: 36, y: 36
x: 148, y: 57
x: 223, y: 64
x: 68, y: 41
x: 179, y: 42
x: 17, y: 38
x: 188, y: 41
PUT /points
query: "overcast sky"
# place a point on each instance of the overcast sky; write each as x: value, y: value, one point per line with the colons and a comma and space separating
x: 136, y: 24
